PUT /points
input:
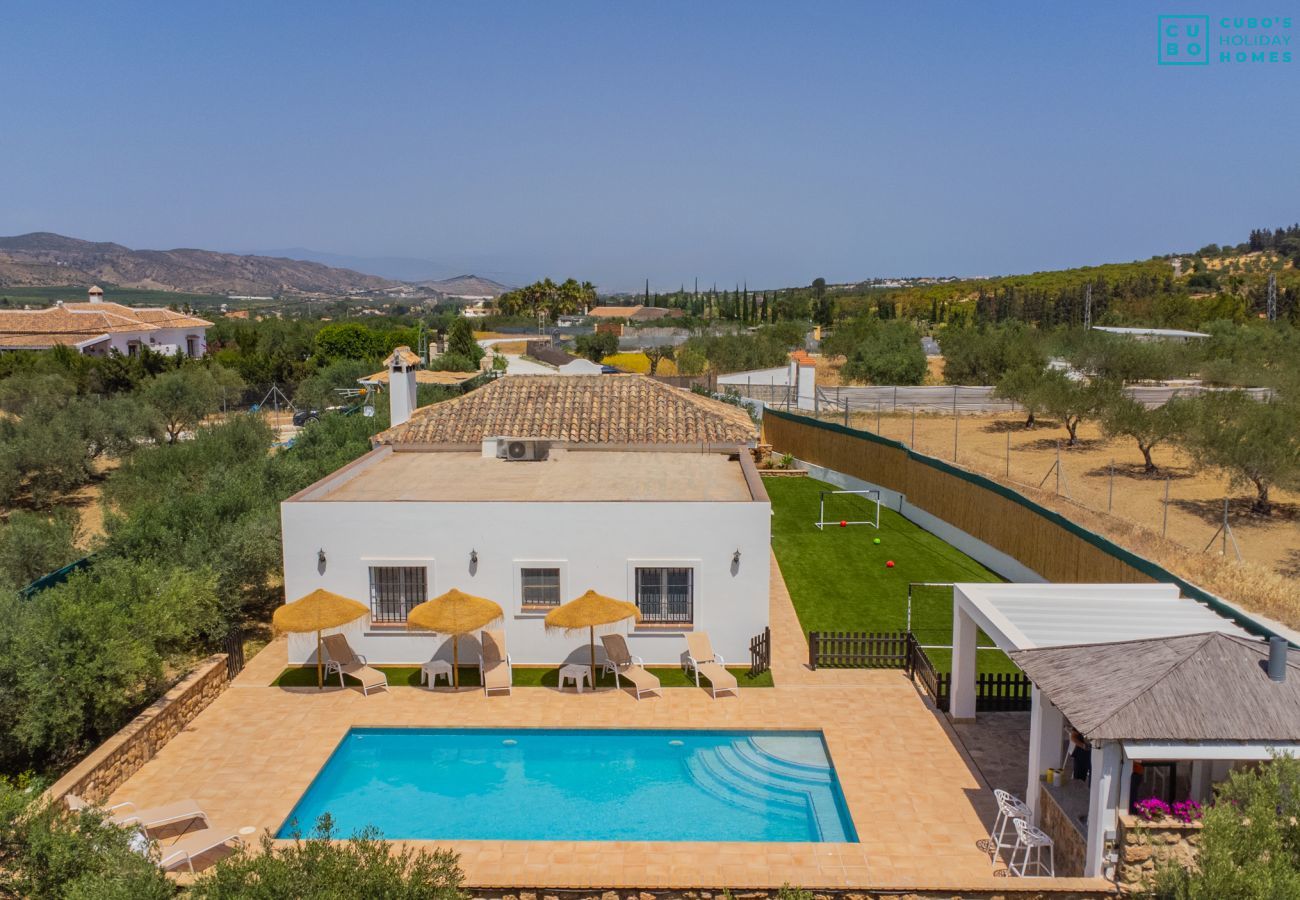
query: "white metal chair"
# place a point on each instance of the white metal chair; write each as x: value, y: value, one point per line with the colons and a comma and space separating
x: 1033, y: 841
x: 1010, y: 808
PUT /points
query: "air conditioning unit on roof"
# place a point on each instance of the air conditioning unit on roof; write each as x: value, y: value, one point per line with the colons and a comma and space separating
x: 522, y: 449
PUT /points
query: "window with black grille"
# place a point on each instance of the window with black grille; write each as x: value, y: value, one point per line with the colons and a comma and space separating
x: 539, y: 588
x: 666, y: 595
x: 394, y: 590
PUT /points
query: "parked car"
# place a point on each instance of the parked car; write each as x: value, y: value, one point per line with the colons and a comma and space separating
x: 305, y: 416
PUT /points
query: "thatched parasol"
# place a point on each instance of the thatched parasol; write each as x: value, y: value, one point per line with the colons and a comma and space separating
x: 591, y: 611
x: 317, y: 611
x: 455, y: 613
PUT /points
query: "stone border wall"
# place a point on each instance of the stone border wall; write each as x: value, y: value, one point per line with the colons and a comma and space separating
x: 1145, y: 846
x: 1069, y: 847
x: 122, y: 755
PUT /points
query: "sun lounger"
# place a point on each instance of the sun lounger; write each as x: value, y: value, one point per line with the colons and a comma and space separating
x: 127, y: 813
x: 701, y: 659
x: 494, y: 662
x: 196, y: 844
x: 340, y: 658
x: 625, y: 665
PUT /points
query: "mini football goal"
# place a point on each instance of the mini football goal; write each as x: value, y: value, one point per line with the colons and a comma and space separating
x: 843, y: 511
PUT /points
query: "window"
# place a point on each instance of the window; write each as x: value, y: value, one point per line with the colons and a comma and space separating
x: 191, y: 346
x: 666, y: 595
x: 394, y: 590
x: 539, y: 588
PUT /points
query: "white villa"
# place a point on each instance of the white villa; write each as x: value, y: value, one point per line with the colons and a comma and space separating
x: 97, y: 327
x: 530, y: 491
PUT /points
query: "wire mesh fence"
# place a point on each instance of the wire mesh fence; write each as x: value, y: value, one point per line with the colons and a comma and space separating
x: 1173, y: 501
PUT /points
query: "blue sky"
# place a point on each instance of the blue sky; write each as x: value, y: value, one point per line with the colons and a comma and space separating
x: 773, y: 142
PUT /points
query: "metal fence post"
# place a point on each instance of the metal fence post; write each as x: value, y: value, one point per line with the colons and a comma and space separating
x: 1058, y: 468
x: 956, y: 417
x: 1110, y: 494
x: 877, y: 417
x: 912, y: 446
x: 1008, y: 473
x: 846, y: 412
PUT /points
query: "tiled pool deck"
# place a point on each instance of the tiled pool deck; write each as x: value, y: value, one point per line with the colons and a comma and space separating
x: 920, y: 808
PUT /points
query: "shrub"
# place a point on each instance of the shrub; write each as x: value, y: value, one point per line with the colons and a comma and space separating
x: 32, y: 545
x: 47, y: 852
x: 321, y: 866
x: 1250, y: 843
x: 887, y: 353
x: 79, y: 659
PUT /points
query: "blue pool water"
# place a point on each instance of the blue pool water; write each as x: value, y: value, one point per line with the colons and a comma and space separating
x: 584, y: 785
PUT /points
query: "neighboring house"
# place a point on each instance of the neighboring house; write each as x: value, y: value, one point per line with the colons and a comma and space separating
x: 565, y: 363
x: 630, y: 487
x: 613, y: 312
x: 479, y: 309
x: 97, y: 327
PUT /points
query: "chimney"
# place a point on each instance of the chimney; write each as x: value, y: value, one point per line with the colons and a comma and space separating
x: 95, y: 294
x: 1277, y: 658
x: 401, y: 384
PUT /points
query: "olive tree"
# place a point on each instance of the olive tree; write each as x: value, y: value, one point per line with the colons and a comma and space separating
x: 1256, y: 442
x: 1123, y: 416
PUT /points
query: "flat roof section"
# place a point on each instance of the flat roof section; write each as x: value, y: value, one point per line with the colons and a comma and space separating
x: 568, y: 475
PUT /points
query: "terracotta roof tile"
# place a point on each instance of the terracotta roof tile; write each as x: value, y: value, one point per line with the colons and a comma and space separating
x: 580, y: 409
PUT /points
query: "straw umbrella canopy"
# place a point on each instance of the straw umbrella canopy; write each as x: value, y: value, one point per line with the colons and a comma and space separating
x: 455, y: 613
x: 591, y: 611
x: 317, y: 611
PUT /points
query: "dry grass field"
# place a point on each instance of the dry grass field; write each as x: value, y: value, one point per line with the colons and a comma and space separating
x: 1104, y: 488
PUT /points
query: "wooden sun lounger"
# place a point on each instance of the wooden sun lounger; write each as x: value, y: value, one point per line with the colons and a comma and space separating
x: 701, y: 659
x: 127, y: 813
x: 339, y: 657
x: 494, y: 665
x: 625, y: 665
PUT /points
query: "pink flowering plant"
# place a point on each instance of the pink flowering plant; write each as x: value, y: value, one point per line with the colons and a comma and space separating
x: 1153, y: 809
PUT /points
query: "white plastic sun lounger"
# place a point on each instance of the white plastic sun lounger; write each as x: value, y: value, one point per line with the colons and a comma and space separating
x: 127, y: 813
x: 701, y: 659
x: 196, y: 844
x: 625, y: 665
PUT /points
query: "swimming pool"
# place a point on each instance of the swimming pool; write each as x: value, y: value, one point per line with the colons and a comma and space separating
x: 584, y: 785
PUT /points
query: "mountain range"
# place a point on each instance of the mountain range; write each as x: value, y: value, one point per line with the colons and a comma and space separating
x: 43, y: 258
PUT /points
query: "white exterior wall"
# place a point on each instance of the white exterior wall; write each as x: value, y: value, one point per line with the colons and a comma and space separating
x: 778, y: 377
x: 595, y: 545
x: 164, y: 340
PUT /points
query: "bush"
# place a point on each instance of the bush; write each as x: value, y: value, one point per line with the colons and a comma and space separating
x: 33, y: 545
x: 986, y: 355
x: 1250, y: 842
x: 321, y: 866
x: 320, y: 391
x: 887, y: 353
x: 596, y: 347
x: 47, y: 852
x: 79, y: 659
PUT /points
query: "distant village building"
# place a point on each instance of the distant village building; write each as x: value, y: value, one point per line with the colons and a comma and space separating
x: 1152, y: 334
x: 98, y: 327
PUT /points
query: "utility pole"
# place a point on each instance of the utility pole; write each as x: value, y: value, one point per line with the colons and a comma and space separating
x: 1272, y: 296
x: 1087, y: 307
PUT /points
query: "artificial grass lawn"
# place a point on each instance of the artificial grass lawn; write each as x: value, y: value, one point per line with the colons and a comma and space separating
x: 838, y: 580
x: 409, y: 676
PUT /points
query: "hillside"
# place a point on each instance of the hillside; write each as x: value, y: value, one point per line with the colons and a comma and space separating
x: 466, y: 286
x: 46, y: 259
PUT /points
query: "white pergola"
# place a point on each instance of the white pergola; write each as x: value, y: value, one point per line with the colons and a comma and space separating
x: 1032, y: 616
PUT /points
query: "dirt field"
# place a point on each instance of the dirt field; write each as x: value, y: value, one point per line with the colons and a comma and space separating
x: 1129, y: 506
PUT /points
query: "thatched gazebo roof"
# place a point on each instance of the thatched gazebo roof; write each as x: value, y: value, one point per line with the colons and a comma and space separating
x: 1196, y: 687
x: 455, y: 612
x: 591, y: 610
x: 316, y: 611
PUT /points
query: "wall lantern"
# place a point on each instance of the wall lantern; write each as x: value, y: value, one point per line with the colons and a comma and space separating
x: 473, y: 557
x: 735, y: 558
x: 320, y: 557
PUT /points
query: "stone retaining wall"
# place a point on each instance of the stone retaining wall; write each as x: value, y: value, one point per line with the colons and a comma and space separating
x: 1069, y: 847
x: 1145, y: 846
x: 122, y: 755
